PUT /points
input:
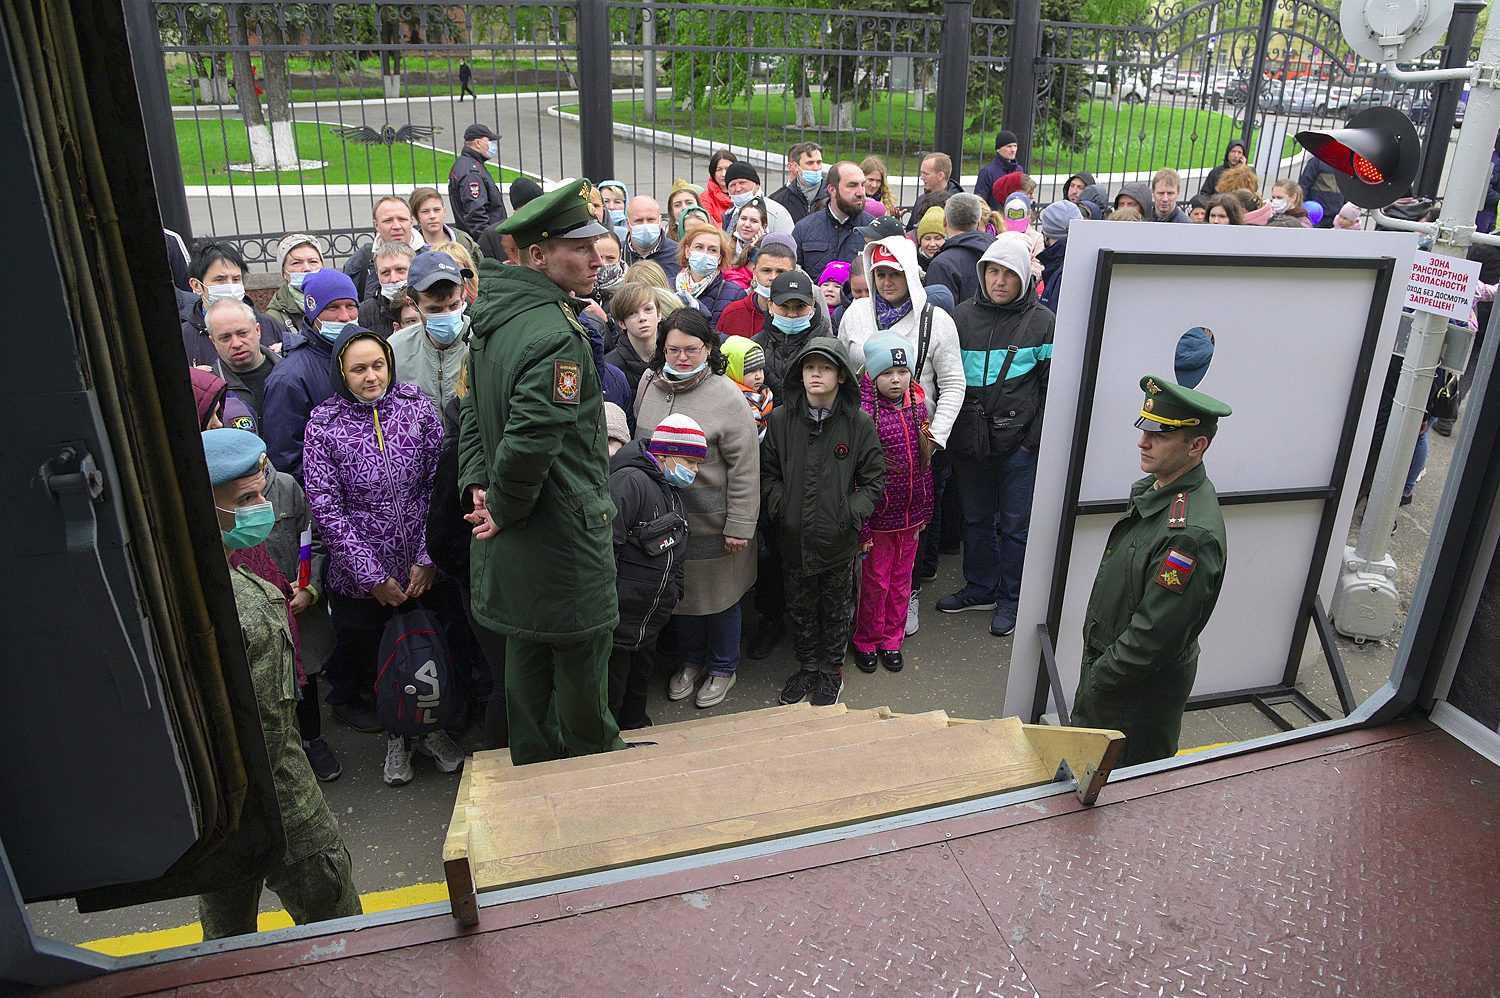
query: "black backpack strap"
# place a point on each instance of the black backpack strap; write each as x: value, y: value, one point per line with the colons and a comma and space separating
x: 924, y: 336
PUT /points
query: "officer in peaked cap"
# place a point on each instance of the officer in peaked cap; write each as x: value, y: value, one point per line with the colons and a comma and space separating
x: 472, y: 192
x: 534, y: 473
x: 1160, y: 577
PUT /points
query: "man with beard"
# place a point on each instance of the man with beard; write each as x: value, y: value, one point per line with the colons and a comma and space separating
x: 830, y: 234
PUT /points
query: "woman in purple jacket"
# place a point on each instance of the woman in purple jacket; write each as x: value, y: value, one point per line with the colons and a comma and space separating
x: 369, y: 456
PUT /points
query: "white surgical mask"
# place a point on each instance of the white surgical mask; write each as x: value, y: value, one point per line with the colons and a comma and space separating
x: 1278, y: 205
x: 218, y: 292
x: 389, y: 291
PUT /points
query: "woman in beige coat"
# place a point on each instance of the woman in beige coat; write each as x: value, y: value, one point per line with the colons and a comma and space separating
x: 686, y: 376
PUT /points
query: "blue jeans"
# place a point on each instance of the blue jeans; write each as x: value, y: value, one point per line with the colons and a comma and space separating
x: 994, y: 485
x: 712, y: 640
x: 1418, y: 461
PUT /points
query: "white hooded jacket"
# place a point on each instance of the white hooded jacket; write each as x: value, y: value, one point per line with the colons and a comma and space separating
x: 943, y: 372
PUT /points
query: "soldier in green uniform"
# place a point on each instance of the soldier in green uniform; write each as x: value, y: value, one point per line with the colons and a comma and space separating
x: 1157, y: 584
x: 314, y: 880
x: 534, y: 473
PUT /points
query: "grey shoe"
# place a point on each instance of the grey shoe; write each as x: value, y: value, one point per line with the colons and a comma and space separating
x: 714, y: 691
x: 911, y: 614
x: 681, y: 685
x: 397, y: 761
x: 443, y: 750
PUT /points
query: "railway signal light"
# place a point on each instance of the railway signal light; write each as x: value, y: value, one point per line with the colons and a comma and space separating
x: 1376, y: 156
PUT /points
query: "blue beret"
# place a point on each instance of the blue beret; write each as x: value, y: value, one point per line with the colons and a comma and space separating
x: 232, y: 454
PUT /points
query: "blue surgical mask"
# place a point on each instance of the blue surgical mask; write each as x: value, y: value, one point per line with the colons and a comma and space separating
x: 811, y: 178
x: 616, y: 216
x: 742, y: 198
x: 791, y: 326
x: 677, y: 375
x: 252, y: 525
x: 764, y: 290
x: 296, y: 279
x: 679, y: 475
x: 330, y: 330
x: 445, y: 326
x: 645, y: 235
x: 702, y: 264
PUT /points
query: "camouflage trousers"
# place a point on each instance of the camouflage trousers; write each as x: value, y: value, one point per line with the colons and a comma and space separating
x: 821, y: 605
x: 313, y: 889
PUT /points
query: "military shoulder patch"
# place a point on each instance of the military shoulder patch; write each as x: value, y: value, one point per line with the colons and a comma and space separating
x: 1175, y: 570
x: 567, y: 382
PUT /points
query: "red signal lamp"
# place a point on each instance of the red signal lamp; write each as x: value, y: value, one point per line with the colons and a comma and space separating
x: 1376, y: 156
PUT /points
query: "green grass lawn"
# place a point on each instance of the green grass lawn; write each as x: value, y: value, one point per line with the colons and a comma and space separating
x: 892, y: 129
x: 401, y: 166
x: 181, y: 89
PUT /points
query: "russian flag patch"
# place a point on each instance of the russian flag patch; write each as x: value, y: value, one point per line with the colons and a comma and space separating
x: 1175, y: 570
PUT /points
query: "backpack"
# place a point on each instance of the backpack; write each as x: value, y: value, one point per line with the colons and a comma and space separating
x: 416, y: 688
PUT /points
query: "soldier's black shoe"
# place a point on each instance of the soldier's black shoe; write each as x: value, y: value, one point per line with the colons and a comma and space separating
x: 771, y: 631
x: 892, y: 660
x: 358, y: 716
x: 325, y: 765
x: 798, y: 685
x: 865, y: 660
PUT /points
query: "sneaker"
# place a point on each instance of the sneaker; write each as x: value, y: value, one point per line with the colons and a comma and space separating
x: 397, y: 761
x: 771, y: 631
x: 1406, y: 498
x: 965, y: 599
x: 865, y: 660
x: 358, y: 716
x: 892, y: 660
x: 1003, y: 622
x: 911, y: 614
x: 798, y: 685
x: 325, y: 765
x: 715, y: 690
x: 929, y: 574
x: 681, y: 685
x: 826, y: 689
x: 443, y: 750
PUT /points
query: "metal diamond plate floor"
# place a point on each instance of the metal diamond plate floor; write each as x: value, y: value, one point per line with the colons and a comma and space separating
x: 1359, y: 871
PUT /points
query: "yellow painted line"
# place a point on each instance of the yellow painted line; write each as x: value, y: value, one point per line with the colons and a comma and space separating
x: 186, y: 935
x: 1202, y: 748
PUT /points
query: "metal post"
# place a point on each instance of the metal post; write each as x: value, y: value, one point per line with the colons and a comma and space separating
x: 1366, y: 597
x: 1020, y: 75
x: 1440, y: 123
x: 649, y: 14
x: 596, y: 117
x: 150, y: 66
x: 1257, y: 75
x: 953, y: 81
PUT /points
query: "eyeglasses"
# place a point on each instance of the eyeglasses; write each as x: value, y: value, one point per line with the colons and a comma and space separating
x: 686, y: 353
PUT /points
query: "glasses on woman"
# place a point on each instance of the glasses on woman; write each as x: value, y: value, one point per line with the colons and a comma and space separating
x: 686, y: 353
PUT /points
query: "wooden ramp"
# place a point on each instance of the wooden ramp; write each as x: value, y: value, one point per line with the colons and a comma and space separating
x: 739, y: 778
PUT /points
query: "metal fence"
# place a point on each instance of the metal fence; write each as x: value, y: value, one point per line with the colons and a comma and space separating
x: 290, y: 116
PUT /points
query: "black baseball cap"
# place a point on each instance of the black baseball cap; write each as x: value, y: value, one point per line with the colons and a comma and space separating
x: 478, y: 131
x: 792, y: 286
x: 882, y: 228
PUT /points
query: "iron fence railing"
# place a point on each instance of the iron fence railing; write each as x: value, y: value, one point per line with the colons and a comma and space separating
x: 645, y: 91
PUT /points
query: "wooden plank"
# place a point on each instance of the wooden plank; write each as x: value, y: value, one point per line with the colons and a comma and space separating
x: 812, y: 735
x: 495, y: 763
x: 457, y: 841
x: 602, y: 828
x: 1081, y: 747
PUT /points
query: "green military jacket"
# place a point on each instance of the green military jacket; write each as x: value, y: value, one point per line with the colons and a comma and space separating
x: 1158, y: 582
x: 532, y: 435
x: 310, y: 826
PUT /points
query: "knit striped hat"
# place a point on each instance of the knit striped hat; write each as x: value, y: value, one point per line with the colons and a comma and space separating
x: 680, y: 435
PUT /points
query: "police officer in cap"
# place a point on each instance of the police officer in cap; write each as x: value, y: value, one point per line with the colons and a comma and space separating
x: 534, y: 475
x: 472, y: 192
x: 1157, y: 585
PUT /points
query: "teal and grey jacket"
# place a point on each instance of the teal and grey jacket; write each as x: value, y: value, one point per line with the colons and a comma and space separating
x: 1007, y: 349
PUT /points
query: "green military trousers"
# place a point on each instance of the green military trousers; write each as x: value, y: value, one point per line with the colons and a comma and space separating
x: 313, y: 889
x: 557, y: 698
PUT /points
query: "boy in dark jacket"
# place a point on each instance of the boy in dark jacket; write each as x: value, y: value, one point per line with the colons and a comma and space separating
x: 650, y: 540
x: 1005, y: 336
x: 822, y: 473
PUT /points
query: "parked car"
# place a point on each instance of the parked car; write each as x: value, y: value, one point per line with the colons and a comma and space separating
x: 1132, y: 86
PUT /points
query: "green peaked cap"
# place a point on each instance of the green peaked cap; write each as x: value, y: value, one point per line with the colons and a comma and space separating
x: 1169, y: 406
x: 561, y: 214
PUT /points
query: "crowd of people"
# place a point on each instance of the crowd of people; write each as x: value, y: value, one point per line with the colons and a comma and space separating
x: 590, y: 429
